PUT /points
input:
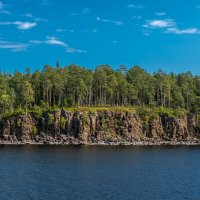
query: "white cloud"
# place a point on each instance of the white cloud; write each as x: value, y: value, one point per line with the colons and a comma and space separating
x: 160, y: 13
x: 91, y: 31
x: 157, y: 23
x: 65, y: 30
x: 84, y: 11
x: 72, y: 50
x: 2, y: 8
x: 1, y: 5
x: 134, y: 6
x: 136, y: 17
x: 6, y: 12
x: 183, y: 31
x: 47, y: 3
x: 29, y: 15
x: 40, y: 20
x: 16, y: 47
x: 25, y: 25
x: 117, y: 23
x: 72, y: 30
x: 51, y: 40
x: 54, y: 41
x: 146, y: 32
x: 169, y: 26
x: 21, y: 25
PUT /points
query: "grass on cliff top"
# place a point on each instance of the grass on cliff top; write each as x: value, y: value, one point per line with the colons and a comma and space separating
x: 98, y: 109
x: 142, y: 111
x: 154, y: 112
x: 38, y: 111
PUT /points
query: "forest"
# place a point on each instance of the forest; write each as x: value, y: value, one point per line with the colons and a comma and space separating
x: 74, y: 86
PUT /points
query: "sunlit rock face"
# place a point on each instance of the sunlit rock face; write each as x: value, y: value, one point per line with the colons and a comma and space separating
x: 109, y: 127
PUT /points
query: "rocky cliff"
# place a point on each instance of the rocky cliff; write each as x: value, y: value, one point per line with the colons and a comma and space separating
x: 102, y: 127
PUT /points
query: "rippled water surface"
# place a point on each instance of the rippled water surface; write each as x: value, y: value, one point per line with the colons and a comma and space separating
x: 79, y: 172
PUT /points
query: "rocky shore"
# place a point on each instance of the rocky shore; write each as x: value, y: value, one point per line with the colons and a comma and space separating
x: 76, y: 143
x: 99, y: 128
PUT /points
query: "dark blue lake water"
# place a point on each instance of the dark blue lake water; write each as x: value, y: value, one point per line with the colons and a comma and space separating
x: 67, y: 172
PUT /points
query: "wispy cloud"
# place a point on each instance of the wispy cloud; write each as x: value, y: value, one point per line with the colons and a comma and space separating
x: 168, y: 26
x: 65, y: 30
x: 72, y: 30
x: 115, y: 22
x: 2, y: 8
x: 183, y: 31
x: 83, y: 11
x: 1, y: 5
x: 137, y: 17
x: 6, y: 12
x: 91, y: 31
x: 72, y: 50
x: 134, y: 6
x: 146, y: 32
x: 29, y: 15
x: 47, y: 3
x: 158, y: 23
x: 12, y: 46
x: 21, y: 25
x: 160, y: 13
x: 51, y: 40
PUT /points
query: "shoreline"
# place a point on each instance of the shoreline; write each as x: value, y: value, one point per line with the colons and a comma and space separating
x: 78, y: 143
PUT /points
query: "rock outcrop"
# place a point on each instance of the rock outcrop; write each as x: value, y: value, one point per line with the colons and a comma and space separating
x: 102, y: 127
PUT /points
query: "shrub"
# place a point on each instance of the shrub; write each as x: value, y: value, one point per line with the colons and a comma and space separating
x: 35, y: 130
x: 16, y: 112
x: 63, y: 122
x: 37, y: 112
x: 50, y: 118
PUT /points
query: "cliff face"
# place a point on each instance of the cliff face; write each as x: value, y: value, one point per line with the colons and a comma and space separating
x: 65, y: 127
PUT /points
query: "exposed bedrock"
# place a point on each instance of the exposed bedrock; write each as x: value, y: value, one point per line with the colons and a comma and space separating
x: 97, y: 127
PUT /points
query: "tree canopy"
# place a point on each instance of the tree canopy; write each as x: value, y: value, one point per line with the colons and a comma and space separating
x: 73, y: 86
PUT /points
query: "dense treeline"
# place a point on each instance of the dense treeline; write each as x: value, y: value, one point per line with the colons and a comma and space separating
x: 78, y: 86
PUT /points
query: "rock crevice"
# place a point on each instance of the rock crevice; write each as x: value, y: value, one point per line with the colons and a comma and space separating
x: 107, y: 127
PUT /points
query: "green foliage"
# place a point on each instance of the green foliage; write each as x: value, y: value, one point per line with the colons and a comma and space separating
x: 50, y: 118
x: 16, y: 112
x: 44, y: 105
x: 19, y: 122
x: 35, y: 130
x: 147, y: 113
x: 198, y: 122
x: 37, y: 111
x: 54, y: 108
x: 27, y: 93
x: 104, y: 88
x: 166, y: 112
x: 171, y: 112
x: 100, y: 109
x: 63, y: 122
x: 105, y: 122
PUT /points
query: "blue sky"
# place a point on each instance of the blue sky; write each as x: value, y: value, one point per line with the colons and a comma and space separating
x: 152, y: 34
